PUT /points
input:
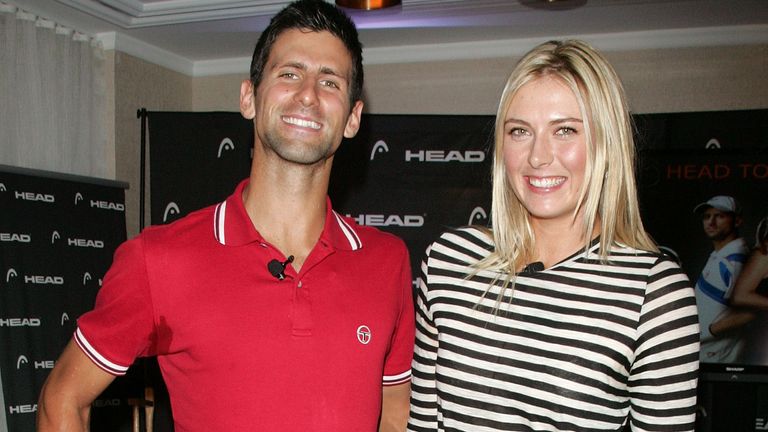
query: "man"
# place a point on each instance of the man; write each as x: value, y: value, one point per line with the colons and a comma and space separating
x: 721, y: 218
x: 268, y: 311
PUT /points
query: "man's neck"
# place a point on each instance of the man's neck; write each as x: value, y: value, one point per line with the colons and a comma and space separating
x: 288, y: 208
x: 719, y: 244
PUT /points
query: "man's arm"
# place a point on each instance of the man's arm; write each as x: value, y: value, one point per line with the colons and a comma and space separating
x: 395, y: 404
x: 71, y: 387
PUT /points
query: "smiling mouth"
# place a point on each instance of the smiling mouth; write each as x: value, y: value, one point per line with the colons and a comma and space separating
x: 302, y: 123
x: 546, y: 182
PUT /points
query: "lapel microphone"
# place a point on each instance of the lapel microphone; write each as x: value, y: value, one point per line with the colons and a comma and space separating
x: 277, y: 268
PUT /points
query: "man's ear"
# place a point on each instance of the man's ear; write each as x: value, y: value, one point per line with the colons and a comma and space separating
x: 353, y: 121
x: 247, y: 102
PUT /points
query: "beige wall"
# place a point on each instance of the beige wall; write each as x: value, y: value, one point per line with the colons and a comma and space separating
x: 217, y: 93
x: 664, y: 80
x: 668, y: 80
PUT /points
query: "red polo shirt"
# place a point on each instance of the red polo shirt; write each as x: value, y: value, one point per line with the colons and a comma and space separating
x: 241, y: 350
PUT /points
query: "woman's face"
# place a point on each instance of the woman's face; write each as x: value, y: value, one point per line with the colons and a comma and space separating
x: 544, y: 149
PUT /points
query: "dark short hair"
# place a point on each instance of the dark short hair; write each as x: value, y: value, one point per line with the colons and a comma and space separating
x: 316, y: 16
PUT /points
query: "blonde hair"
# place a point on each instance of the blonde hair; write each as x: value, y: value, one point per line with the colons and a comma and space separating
x: 609, y: 192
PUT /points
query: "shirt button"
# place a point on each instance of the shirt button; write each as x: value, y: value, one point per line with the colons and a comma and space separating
x: 299, y: 285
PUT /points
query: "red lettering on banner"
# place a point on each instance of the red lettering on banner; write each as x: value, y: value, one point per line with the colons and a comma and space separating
x: 757, y: 171
x: 698, y: 172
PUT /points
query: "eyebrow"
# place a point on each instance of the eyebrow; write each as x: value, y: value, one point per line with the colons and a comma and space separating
x: 324, y: 70
x: 553, y: 122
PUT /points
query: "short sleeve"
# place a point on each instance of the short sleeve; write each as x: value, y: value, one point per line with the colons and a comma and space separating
x: 120, y: 327
x: 397, y: 368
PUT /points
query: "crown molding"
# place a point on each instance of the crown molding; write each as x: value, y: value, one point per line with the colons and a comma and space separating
x: 661, y: 39
x: 627, y: 41
x: 129, y: 14
x: 150, y: 53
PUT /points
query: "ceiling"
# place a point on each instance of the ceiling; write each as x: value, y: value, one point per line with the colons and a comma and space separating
x: 202, y: 37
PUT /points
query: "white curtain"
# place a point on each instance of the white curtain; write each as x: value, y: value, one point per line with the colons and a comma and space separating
x: 52, y: 97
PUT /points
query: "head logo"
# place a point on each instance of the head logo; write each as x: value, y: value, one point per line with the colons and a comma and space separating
x: 22, y: 360
x: 10, y: 273
x: 2, y: 187
x: 64, y: 318
x: 378, y: 220
x: 477, y: 215
x: 78, y: 197
x: 55, y: 236
x: 226, y: 144
x: 170, y: 210
x: 363, y: 334
x: 469, y: 156
x: 713, y: 144
x: 379, y: 147
x: 86, y: 277
x: 15, y: 237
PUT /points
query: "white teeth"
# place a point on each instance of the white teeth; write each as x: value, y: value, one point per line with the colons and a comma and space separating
x: 302, y: 123
x: 546, y: 182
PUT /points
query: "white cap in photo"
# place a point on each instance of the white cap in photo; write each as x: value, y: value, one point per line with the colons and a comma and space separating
x: 721, y: 202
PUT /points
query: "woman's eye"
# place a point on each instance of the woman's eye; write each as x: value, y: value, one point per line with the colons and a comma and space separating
x: 566, y: 131
x: 518, y: 132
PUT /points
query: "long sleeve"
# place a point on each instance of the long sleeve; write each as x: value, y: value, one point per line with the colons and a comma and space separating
x: 664, y: 373
x: 423, y: 416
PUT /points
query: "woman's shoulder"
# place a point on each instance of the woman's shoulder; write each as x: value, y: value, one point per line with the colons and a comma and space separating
x: 467, y: 236
x: 641, y: 258
x: 465, y: 244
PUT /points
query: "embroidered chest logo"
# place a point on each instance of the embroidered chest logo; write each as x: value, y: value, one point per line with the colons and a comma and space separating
x: 363, y: 334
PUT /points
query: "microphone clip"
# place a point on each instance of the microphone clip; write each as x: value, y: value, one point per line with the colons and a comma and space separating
x: 277, y: 268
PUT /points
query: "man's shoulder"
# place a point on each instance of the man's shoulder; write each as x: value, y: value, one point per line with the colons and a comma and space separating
x: 737, y: 246
x: 372, y: 237
x: 192, y: 227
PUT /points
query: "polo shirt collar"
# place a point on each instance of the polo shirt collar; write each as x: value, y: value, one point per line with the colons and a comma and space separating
x: 233, y: 227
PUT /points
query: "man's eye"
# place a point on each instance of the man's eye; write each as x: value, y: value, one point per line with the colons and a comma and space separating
x: 331, y: 84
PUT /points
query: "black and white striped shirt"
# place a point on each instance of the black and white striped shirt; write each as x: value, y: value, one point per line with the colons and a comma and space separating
x: 581, y: 346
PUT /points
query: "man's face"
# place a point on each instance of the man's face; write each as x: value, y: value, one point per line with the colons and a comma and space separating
x: 301, y: 105
x: 718, y: 225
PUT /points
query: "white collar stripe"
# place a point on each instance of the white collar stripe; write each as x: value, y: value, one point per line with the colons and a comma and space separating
x: 354, y: 240
x: 98, y: 359
x: 218, y: 222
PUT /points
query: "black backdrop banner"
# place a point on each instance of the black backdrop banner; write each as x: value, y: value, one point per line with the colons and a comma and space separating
x: 413, y: 176
x: 57, y: 237
x: 195, y: 159
x: 417, y: 175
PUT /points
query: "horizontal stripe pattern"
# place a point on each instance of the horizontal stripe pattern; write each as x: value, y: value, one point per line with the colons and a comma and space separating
x: 582, y: 346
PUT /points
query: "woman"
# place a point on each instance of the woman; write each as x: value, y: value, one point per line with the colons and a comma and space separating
x: 564, y: 316
x: 750, y: 296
